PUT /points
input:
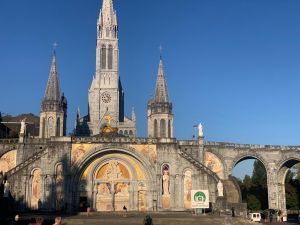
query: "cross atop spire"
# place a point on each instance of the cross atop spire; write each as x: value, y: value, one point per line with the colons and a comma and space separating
x: 53, y: 89
x: 161, y: 91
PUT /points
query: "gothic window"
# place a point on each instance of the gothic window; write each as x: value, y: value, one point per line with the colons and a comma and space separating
x: 110, y: 56
x: 169, y: 128
x: 107, y: 32
x: 58, y: 127
x: 50, y: 127
x: 155, y: 129
x: 121, y: 132
x: 103, y: 57
x: 43, y: 127
x: 126, y: 133
x: 162, y: 128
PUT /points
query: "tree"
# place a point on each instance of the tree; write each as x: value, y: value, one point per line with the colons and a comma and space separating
x: 253, y: 202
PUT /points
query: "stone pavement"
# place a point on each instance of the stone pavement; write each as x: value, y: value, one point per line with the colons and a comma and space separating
x: 164, y: 218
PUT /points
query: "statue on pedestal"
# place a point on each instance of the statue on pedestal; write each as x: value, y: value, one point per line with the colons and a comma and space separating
x: 200, y: 130
x: 220, y: 189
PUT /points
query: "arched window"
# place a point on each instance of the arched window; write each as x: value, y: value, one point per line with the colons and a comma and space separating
x: 126, y: 133
x: 155, y: 128
x: 121, y: 132
x: 103, y: 57
x: 162, y: 128
x: 43, y: 127
x: 130, y: 133
x: 110, y: 56
x: 169, y: 128
x: 58, y: 127
x: 51, y: 130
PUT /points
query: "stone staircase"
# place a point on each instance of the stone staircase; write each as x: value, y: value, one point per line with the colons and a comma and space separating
x: 26, y: 162
x: 198, y: 164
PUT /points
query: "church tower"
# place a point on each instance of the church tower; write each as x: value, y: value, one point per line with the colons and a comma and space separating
x: 53, y: 115
x: 160, y: 116
x: 106, y: 97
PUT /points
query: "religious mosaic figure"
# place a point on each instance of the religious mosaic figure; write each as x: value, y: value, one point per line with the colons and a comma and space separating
x: 112, y: 192
x: 59, y: 187
x: 36, y: 189
x: 165, y: 187
x: 187, y: 182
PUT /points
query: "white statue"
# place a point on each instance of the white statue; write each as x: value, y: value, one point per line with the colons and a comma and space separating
x: 200, y: 130
x: 23, y: 126
x: 166, y: 180
x: 220, y: 189
x: 6, y: 190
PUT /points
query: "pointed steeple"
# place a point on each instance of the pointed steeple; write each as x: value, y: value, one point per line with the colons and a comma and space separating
x: 161, y: 91
x: 107, y: 16
x: 53, y: 89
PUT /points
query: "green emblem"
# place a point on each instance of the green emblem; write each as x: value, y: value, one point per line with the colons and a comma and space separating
x: 199, y: 197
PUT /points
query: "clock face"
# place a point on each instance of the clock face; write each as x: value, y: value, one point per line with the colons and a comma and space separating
x: 105, y: 97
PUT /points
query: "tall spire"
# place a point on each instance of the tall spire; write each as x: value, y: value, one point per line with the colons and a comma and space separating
x: 53, y: 89
x: 107, y: 16
x: 161, y: 91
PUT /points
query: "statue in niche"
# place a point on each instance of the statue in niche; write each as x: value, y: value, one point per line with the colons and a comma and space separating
x: 220, y: 189
x: 166, y: 182
x: 166, y: 200
x: 59, y: 174
x: 36, y: 189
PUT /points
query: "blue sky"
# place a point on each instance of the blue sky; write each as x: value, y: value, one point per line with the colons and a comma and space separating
x: 232, y: 65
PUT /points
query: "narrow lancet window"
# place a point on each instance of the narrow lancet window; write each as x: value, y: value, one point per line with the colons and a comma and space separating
x: 110, y: 56
x: 103, y: 57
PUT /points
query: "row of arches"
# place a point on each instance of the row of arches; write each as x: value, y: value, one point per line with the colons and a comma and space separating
x: 40, y: 187
x: 162, y: 128
x: 51, y: 127
x: 126, y: 132
x: 268, y: 180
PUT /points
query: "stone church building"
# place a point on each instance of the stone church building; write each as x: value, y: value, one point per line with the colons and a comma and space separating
x: 105, y: 166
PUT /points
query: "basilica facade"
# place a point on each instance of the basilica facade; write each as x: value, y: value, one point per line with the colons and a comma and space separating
x: 104, y: 165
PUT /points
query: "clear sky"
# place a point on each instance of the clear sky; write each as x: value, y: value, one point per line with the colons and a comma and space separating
x: 232, y: 65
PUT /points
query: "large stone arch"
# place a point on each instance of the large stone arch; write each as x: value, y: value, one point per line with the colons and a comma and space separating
x: 243, y: 157
x: 283, y: 166
x: 105, y: 152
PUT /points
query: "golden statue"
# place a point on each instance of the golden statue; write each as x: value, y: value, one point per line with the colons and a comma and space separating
x: 108, y: 128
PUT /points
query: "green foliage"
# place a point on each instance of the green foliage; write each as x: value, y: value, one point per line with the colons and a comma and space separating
x: 292, y: 196
x: 253, y: 202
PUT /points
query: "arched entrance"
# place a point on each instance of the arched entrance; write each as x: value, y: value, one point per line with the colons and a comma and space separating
x: 288, y: 183
x: 111, y: 179
x: 253, y: 183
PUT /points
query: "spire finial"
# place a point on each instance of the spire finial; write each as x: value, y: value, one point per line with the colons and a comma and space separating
x: 55, y: 45
x: 160, y: 51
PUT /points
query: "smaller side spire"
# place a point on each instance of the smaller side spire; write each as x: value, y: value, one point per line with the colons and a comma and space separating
x: 53, y: 89
x: 161, y: 90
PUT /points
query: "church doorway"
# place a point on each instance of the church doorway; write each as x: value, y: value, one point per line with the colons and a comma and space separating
x: 114, y: 180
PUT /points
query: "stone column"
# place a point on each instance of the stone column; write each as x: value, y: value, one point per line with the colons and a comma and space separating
x: 273, y: 192
x: 173, y: 194
x: 94, y: 196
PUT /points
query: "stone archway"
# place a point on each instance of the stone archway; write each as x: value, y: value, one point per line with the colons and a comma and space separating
x: 283, y: 168
x: 112, y: 178
x: 251, y: 192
